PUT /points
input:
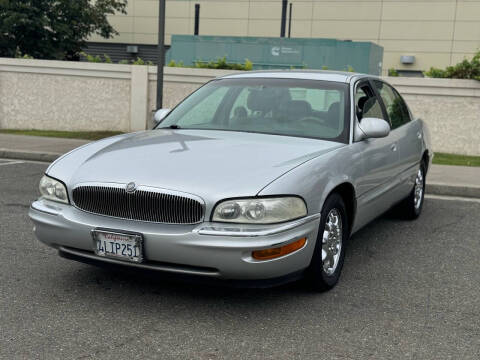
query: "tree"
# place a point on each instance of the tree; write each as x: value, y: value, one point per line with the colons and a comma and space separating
x: 53, y: 29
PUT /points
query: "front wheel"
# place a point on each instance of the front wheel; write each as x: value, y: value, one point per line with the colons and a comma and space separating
x: 329, y: 254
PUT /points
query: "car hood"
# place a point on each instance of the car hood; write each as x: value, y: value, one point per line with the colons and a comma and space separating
x: 207, y: 163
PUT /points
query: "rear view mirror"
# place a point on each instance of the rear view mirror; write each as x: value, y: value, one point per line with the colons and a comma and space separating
x: 372, y: 128
x: 160, y: 115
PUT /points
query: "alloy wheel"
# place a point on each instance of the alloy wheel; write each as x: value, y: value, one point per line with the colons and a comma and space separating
x: 332, y: 241
x: 418, y: 191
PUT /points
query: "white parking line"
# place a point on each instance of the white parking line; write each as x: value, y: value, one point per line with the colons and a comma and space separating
x: 12, y: 163
x: 452, y: 198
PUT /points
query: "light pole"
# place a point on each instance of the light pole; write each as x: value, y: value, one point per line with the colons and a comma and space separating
x: 161, y: 52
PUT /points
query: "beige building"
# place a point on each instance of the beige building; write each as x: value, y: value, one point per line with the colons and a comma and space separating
x: 436, y: 32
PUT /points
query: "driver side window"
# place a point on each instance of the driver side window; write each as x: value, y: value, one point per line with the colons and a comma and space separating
x: 366, y: 103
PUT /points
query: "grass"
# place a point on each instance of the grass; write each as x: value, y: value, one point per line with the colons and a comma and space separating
x: 439, y: 158
x: 86, y: 135
x: 453, y: 159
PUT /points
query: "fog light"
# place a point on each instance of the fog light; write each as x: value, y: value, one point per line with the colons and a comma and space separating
x: 273, y: 253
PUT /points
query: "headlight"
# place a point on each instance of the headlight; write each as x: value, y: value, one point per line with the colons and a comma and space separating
x: 260, y: 210
x: 52, y: 189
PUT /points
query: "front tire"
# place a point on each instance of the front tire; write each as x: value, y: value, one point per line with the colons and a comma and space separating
x: 329, y: 254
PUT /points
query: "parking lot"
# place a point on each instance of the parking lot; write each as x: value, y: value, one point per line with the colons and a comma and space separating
x: 409, y: 290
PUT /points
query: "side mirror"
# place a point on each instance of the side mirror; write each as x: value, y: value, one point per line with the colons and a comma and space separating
x: 160, y: 115
x: 372, y: 128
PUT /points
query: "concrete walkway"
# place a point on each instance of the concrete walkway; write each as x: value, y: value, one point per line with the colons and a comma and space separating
x: 441, y: 179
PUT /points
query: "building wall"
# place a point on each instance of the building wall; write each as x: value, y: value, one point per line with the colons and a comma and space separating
x: 437, y: 32
x: 60, y: 95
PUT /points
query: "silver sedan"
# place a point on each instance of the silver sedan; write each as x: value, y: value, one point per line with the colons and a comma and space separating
x: 255, y: 179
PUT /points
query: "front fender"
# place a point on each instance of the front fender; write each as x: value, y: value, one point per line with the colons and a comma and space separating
x: 314, y: 180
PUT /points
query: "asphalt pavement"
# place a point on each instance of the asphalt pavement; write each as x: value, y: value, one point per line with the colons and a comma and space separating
x: 409, y: 290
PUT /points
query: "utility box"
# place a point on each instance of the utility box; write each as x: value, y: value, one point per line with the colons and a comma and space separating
x: 279, y: 53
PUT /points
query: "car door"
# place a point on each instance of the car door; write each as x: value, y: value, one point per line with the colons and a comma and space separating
x: 408, y: 134
x: 380, y: 159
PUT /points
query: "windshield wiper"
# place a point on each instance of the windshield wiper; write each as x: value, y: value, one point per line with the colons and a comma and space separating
x: 173, y: 126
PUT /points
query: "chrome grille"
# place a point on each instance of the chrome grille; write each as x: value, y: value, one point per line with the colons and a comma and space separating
x: 143, y: 205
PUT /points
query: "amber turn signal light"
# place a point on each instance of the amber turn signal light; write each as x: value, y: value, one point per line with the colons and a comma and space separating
x: 272, y: 253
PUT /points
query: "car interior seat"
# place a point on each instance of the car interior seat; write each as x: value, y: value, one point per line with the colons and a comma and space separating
x: 333, y: 115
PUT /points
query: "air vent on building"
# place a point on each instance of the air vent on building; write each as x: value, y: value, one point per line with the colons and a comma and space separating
x: 407, y: 59
x: 132, y: 49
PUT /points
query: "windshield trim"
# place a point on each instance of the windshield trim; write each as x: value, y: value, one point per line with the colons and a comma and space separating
x: 254, y: 132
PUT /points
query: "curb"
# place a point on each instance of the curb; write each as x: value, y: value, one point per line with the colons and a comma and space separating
x: 470, y: 191
x: 29, y: 155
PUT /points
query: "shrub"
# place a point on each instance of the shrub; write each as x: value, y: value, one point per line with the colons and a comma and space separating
x: 172, y: 63
x: 91, y: 58
x: 140, y: 61
x: 221, y: 63
x: 392, y: 72
x: 463, y: 70
x: 107, y: 58
x: 19, y: 55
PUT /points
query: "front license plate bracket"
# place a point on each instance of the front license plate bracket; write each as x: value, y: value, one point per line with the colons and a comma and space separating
x: 117, y: 244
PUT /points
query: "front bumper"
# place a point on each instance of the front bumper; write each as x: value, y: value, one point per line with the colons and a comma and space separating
x: 208, y: 249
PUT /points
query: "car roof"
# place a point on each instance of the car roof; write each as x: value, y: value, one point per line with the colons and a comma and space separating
x: 325, y: 75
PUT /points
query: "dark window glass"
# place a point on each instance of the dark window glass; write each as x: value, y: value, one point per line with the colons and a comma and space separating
x: 367, y: 104
x: 396, y: 108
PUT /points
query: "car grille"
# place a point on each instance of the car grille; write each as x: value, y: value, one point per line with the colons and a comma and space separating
x: 140, y: 205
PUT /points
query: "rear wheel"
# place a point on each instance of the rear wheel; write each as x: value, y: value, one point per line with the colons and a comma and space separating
x: 329, y: 253
x: 411, y: 207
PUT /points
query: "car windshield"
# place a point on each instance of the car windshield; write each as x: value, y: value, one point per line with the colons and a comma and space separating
x: 292, y: 107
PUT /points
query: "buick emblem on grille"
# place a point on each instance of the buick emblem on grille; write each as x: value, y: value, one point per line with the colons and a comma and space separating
x: 131, y: 187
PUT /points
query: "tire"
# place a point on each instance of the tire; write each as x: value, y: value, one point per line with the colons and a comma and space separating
x: 321, y: 275
x: 411, y: 207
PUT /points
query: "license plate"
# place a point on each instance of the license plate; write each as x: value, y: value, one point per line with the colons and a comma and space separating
x: 118, y: 245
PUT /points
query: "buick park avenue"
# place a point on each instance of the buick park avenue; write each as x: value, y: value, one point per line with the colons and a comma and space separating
x: 256, y: 179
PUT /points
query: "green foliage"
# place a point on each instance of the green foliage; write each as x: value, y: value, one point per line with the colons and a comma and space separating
x: 19, y: 55
x: 172, y: 63
x: 53, y: 29
x: 454, y: 159
x: 221, y: 63
x: 91, y: 58
x: 435, y: 73
x: 463, y: 70
x: 392, y: 72
x: 248, y: 65
x: 350, y: 69
x: 107, y: 58
x: 140, y: 61
x: 324, y: 67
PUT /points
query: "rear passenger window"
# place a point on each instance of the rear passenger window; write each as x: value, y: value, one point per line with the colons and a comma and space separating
x: 396, y: 108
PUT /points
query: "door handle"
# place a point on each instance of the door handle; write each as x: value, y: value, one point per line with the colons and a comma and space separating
x: 419, y: 135
x: 393, y: 147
